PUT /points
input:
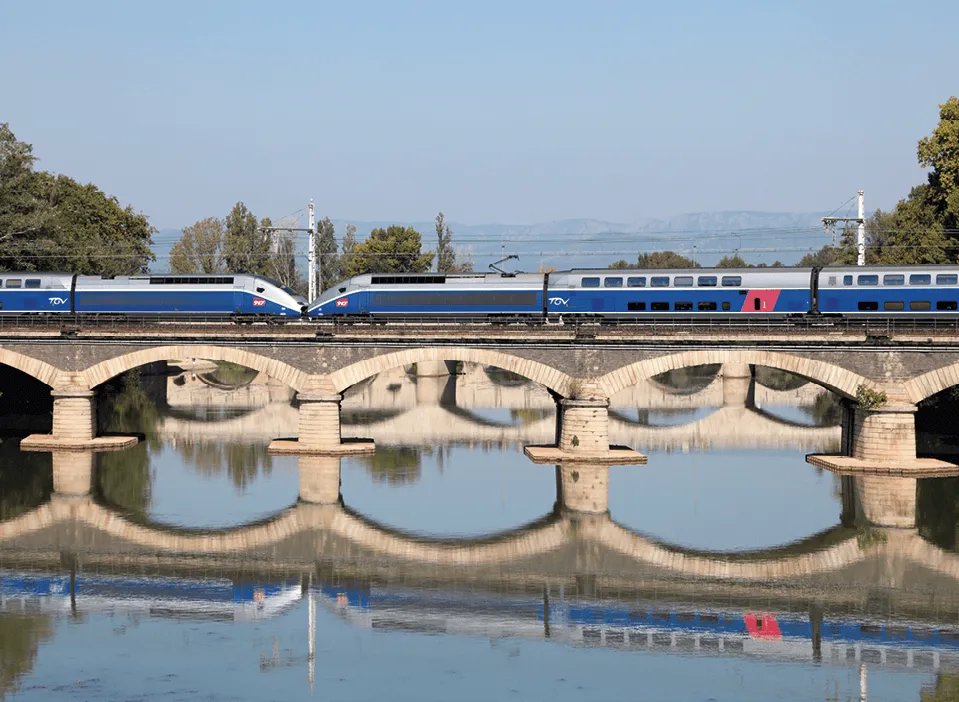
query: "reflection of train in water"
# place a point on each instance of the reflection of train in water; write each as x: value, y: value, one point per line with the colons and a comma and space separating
x: 220, y: 600
x: 651, y: 625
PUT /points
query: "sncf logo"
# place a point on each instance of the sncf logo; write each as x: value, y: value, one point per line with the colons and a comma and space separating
x: 259, y: 302
x: 342, y: 302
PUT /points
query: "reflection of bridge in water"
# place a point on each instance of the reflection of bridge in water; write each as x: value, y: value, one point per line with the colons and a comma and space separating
x: 846, y: 595
x: 398, y: 409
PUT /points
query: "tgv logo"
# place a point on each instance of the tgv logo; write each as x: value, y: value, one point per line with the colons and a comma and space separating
x: 559, y: 302
x: 58, y: 301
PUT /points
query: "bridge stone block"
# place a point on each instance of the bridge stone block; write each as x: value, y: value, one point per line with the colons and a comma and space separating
x: 585, y: 426
x: 75, y: 426
x: 319, y: 429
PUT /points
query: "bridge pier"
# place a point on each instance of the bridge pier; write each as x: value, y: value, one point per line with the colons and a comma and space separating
x: 75, y: 425
x: 319, y: 429
x: 72, y: 473
x: 582, y: 434
x: 881, y: 441
x: 582, y: 487
x: 319, y: 479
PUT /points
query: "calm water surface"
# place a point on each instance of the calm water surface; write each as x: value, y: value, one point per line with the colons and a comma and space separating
x: 451, y: 572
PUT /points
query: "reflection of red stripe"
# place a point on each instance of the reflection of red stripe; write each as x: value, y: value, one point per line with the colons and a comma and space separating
x: 763, y: 626
x: 767, y: 300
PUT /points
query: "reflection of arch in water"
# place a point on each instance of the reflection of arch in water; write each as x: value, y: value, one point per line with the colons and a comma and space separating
x: 619, y: 416
x: 283, y: 372
x: 696, y: 382
x: 839, y: 380
x: 555, y: 380
x: 821, y: 553
x: 777, y: 419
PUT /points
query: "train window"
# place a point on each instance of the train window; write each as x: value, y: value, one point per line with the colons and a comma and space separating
x: 260, y: 290
x: 946, y: 305
x: 706, y: 281
x: 32, y: 283
x: 896, y: 279
x: 659, y: 281
x: 920, y: 279
x: 947, y: 279
x: 683, y: 306
x: 847, y: 280
x: 868, y: 280
x: 636, y: 306
x: 636, y: 282
x: 868, y: 306
x: 14, y: 283
x: 725, y: 307
x: 612, y: 282
x: 659, y: 307
x: 920, y: 306
x: 707, y: 306
x: 732, y: 281
x: 590, y: 282
x: 832, y: 280
x: 893, y: 306
x: 683, y: 281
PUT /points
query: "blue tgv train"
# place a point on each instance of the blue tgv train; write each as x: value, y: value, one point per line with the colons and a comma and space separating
x: 432, y: 611
x: 155, y: 596
x: 919, y: 291
x: 239, y: 294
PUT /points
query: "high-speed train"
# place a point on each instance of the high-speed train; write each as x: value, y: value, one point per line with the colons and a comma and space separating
x: 593, y: 294
x: 624, y: 294
x: 238, y: 294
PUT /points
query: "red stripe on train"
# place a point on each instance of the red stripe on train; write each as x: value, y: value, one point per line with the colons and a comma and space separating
x: 763, y: 626
x: 760, y: 301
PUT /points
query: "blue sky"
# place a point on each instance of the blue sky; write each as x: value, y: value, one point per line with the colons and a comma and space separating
x: 514, y: 112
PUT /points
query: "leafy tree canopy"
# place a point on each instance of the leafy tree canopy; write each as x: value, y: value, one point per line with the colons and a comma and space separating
x: 51, y: 222
x: 395, y: 249
x: 665, y: 259
x: 200, y: 249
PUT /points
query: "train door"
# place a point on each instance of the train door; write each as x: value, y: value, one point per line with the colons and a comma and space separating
x: 239, y: 294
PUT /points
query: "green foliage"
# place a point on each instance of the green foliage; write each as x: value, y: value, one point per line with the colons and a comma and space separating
x: 123, y: 477
x: 445, y: 255
x: 734, y: 261
x: 946, y: 689
x: 26, y: 479
x: 200, y: 249
x: 246, y: 248
x: 329, y: 262
x: 51, y: 222
x: 349, y: 245
x: 395, y: 249
x: 621, y: 263
x: 395, y: 465
x: 665, y: 259
x: 868, y: 398
x: 940, y: 152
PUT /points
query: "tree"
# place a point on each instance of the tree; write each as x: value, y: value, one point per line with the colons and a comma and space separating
x: 734, y: 261
x: 445, y: 255
x: 621, y: 263
x: 52, y: 222
x: 283, y: 257
x: 200, y: 249
x: 22, y: 211
x: 913, y: 232
x: 246, y: 248
x: 940, y: 152
x: 349, y: 245
x: 395, y: 249
x: 330, y: 272
x: 665, y: 259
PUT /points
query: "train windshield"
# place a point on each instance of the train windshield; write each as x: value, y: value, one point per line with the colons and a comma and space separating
x: 281, y: 286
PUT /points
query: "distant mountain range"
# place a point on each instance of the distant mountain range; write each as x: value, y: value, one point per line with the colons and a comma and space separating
x: 760, y: 237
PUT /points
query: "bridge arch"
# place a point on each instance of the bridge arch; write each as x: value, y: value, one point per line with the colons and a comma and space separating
x: 555, y: 380
x: 41, y: 370
x: 284, y: 372
x: 928, y: 384
x: 839, y: 380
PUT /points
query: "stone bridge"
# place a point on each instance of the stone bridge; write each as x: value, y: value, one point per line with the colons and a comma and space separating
x: 581, y: 369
